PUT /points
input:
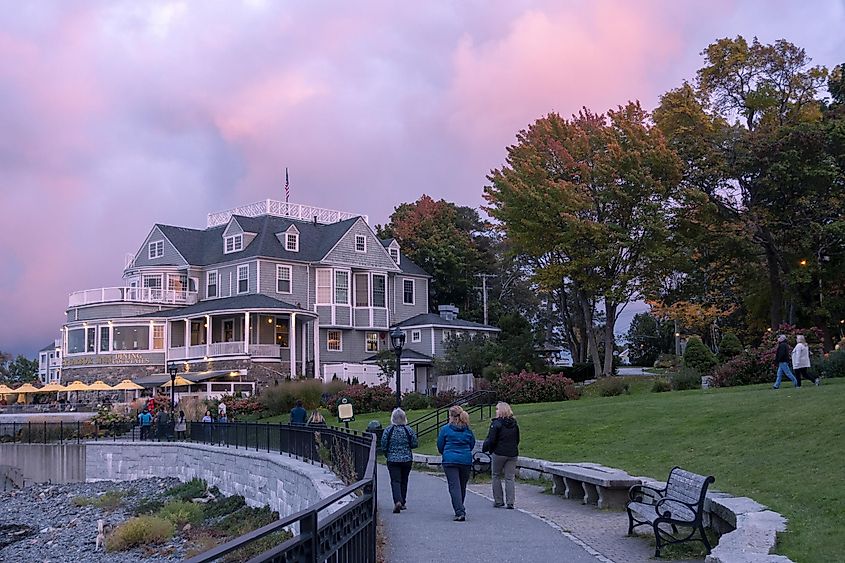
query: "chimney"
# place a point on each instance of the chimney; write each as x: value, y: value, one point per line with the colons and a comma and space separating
x: 315, y: 220
x: 448, y: 312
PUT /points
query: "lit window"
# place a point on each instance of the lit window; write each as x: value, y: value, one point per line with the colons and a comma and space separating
x: 334, y: 341
x: 360, y: 243
x: 282, y: 333
x: 372, y: 342
x: 158, y: 337
x: 416, y: 336
x: 292, y: 242
x: 283, y: 278
x: 408, y: 292
x: 156, y: 249
x: 234, y: 243
x: 243, y: 279
x: 211, y: 284
x: 341, y: 288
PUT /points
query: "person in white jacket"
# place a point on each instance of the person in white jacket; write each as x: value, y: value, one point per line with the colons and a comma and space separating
x: 801, y: 360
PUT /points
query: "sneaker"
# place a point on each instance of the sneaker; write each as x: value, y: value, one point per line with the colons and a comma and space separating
x: 403, y: 507
x: 498, y: 504
x: 818, y: 381
x: 775, y: 387
x: 397, y: 507
x: 460, y: 518
x: 510, y: 507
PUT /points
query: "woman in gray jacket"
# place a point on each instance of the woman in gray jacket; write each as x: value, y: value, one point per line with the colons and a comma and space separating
x: 397, y: 441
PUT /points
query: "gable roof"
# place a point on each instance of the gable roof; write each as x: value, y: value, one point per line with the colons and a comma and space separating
x: 251, y: 301
x: 49, y: 347
x: 405, y: 264
x: 433, y: 319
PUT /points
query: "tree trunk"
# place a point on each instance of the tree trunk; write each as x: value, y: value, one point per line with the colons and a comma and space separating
x: 775, y: 283
x: 609, y: 337
x: 587, y: 310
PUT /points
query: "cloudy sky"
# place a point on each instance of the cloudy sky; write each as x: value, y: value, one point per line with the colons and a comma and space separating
x: 116, y: 115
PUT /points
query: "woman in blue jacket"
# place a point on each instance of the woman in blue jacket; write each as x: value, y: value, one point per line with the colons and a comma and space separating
x: 455, y: 442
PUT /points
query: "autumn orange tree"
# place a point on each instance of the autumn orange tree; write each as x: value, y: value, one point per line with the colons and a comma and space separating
x: 589, y: 199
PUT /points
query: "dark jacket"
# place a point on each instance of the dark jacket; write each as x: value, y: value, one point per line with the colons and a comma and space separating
x: 298, y: 415
x: 503, y: 437
x: 455, y: 444
x: 397, y: 443
x: 782, y: 355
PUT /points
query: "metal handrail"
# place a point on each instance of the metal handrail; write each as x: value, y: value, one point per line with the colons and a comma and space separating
x: 444, y: 410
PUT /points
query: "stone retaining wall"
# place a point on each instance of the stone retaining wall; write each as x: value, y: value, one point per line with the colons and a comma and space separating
x: 285, y: 483
x: 748, y: 529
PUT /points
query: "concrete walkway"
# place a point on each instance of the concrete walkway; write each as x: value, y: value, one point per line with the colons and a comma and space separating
x: 426, y: 532
x: 543, y: 528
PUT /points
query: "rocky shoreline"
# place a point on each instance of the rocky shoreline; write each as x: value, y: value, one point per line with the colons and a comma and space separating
x: 59, y: 531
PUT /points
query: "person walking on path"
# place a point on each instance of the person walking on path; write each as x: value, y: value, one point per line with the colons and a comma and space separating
x: 801, y: 360
x: 503, y: 444
x: 455, y: 442
x: 145, y: 419
x: 782, y: 361
x: 298, y: 415
x: 397, y: 441
x: 181, y: 426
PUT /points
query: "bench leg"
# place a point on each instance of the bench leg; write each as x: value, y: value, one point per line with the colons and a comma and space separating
x: 704, y: 539
x: 591, y: 495
x: 558, y: 486
x: 574, y: 490
x: 612, y: 498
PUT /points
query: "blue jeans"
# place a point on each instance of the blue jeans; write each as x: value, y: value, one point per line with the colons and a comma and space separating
x: 783, y: 368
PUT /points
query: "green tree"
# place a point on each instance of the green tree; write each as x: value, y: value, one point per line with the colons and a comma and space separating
x: 698, y: 356
x: 19, y: 370
x: 729, y: 347
x: 467, y: 353
x: 448, y: 241
x: 588, y: 199
x: 647, y: 337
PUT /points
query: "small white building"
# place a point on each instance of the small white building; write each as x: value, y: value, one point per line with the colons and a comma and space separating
x: 50, y: 363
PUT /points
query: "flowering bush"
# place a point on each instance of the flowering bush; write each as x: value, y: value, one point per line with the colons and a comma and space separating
x: 527, y: 387
x: 364, y: 398
x: 746, y: 369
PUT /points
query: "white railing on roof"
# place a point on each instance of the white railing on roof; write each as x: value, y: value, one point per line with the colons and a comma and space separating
x: 132, y: 294
x: 281, y: 209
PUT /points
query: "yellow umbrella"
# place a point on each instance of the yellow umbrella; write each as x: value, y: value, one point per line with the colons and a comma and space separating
x: 77, y: 386
x: 99, y: 386
x: 179, y: 382
x: 4, y: 390
x: 127, y: 385
x: 27, y: 388
x: 51, y: 388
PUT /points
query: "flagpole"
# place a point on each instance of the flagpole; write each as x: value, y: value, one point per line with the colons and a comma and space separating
x: 287, y: 186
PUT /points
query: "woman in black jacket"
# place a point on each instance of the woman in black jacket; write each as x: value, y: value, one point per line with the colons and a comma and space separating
x: 503, y: 444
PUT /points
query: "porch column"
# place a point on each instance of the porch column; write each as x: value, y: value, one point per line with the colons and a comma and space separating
x: 292, y: 335
x: 207, y: 333
x: 246, y: 332
x: 187, y: 336
x: 317, y: 371
x: 304, y: 350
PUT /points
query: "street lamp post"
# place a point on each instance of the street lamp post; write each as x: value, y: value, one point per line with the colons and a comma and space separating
x: 171, y: 369
x: 397, y: 340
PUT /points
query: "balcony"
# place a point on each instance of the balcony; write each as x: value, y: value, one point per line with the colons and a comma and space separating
x: 132, y: 295
x: 217, y: 349
x: 283, y: 209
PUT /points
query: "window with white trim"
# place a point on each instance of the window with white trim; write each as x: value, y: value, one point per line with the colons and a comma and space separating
x: 341, y: 287
x: 158, y: 337
x: 334, y: 341
x: 416, y: 336
x: 283, y: 278
x: 211, y: 284
x: 379, y: 290
x: 292, y: 242
x: 234, y: 243
x: 362, y: 290
x: 243, y: 278
x: 324, y: 286
x: 408, y: 292
x: 105, y: 338
x: 155, y: 249
x: 372, y: 342
x: 394, y: 253
x: 360, y: 243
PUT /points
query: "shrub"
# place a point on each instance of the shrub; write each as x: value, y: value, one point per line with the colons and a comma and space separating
x: 181, y: 512
x: 729, y: 347
x: 527, y: 387
x: 223, y: 506
x: 832, y: 365
x: 745, y: 369
x: 578, y: 373
x: 443, y: 398
x: 667, y: 361
x: 194, y: 488
x: 686, y: 378
x: 107, y: 501
x: 246, y: 520
x: 148, y: 506
x: 698, y: 356
x: 572, y: 392
x: 611, y: 386
x: 661, y: 385
x: 364, y: 399
x: 415, y: 401
x: 281, y: 398
x: 139, y: 531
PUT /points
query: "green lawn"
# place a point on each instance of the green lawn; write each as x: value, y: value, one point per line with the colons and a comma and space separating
x: 782, y: 448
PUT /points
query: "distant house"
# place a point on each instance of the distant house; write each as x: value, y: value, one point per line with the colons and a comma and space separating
x: 50, y: 362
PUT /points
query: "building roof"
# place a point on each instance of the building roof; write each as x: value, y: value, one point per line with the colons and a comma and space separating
x: 251, y: 301
x: 158, y: 379
x: 407, y: 356
x: 433, y: 319
x: 49, y: 347
x: 405, y: 264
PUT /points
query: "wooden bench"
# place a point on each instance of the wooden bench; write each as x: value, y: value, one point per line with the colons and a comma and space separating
x: 591, y: 483
x: 679, y: 503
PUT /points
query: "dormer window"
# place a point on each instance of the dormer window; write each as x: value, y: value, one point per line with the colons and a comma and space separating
x: 394, y: 253
x: 360, y: 243
x: 234, y: 243
x: 155, y: 249
x: 292, y: 242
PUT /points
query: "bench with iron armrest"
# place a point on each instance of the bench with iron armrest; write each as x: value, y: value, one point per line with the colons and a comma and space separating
x: 680, y: 503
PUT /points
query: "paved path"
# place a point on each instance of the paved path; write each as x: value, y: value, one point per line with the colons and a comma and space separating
x: 544, y: 528
x: 426, y: 532
x: 629, y: 370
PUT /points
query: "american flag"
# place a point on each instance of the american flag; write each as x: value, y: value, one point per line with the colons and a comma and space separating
x: 287, y: 186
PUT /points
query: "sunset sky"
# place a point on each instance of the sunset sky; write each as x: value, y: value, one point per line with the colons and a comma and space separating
x: 116, y: 115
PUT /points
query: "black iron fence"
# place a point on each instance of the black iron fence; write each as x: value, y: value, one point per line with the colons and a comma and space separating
x: 481, y: 402
x: 63, y: 432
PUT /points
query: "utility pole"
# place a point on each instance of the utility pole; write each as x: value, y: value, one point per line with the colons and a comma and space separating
x: 484, y: 291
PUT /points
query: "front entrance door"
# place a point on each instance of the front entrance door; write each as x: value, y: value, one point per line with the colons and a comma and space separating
x: 229, y: 330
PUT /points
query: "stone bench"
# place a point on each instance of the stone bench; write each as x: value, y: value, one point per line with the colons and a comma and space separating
x: 591, y: 483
